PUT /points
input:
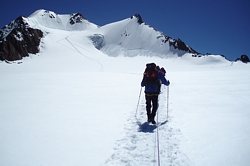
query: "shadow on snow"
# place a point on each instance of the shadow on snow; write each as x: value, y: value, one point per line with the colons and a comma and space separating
x: 146, y: 127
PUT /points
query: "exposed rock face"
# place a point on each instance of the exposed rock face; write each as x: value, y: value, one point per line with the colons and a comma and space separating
x: 243, y: 58
x: 76, y: 18
x: 17, y: 40
x: 98, y: 40
x: 138, y: 16
x: 179, y: 44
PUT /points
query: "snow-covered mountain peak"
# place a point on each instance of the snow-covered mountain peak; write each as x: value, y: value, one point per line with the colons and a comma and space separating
x: 43, y: 13
x: 132, y: 37
x: 68, y: 22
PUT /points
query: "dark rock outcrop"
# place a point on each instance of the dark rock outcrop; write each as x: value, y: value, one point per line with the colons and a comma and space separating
x: 76, y: 18
x: 98, y: 40
x: 180, y: 45
x: 139, y: 18
x: 243, y: 58
x: 17, y: 40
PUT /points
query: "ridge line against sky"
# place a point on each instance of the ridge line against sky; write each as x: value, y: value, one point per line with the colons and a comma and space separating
x: 208, y: 26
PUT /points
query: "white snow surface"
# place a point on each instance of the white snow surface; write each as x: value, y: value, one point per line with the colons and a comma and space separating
x: 73, y: 105
x: 52, y: 20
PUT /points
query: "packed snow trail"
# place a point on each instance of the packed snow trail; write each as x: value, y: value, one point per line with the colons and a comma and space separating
x: 139, y: 144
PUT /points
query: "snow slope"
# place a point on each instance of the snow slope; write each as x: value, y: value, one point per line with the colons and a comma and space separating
x: 68, y: 22
x: 74, y: 105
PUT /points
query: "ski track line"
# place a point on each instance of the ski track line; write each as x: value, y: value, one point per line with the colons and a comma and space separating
x: 139, y: 145
x: 77, y: 50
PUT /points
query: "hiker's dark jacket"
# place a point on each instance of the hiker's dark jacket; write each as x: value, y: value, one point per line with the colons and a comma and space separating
x: 154, y: 89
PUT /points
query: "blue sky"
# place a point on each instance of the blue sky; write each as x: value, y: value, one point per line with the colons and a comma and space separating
x: 208, y: 26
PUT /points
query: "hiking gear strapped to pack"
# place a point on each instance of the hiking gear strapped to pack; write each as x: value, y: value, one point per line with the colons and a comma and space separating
x: 151, y: 74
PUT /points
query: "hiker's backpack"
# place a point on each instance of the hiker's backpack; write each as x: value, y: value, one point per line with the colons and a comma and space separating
x: 151, y: 75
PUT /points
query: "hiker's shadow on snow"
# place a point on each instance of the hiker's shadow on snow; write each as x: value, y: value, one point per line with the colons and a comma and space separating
x: 149, y: 128
x: 146, y: 127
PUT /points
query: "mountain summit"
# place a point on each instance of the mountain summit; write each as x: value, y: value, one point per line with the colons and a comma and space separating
x: 132, y: 37
x: 68, y: 22
x: 129, y: 37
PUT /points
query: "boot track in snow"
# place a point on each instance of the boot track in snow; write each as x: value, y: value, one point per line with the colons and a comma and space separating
x: 147, y: 144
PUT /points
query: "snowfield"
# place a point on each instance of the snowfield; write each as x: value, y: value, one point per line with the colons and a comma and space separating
x: 73, y: 105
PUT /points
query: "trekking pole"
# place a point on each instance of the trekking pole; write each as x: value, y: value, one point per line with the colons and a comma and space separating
x: 138, y: 102
x: 167, y: 100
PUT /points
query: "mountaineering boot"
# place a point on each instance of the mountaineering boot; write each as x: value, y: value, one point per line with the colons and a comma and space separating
x: 153, y: 121
x: 153, y: 117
